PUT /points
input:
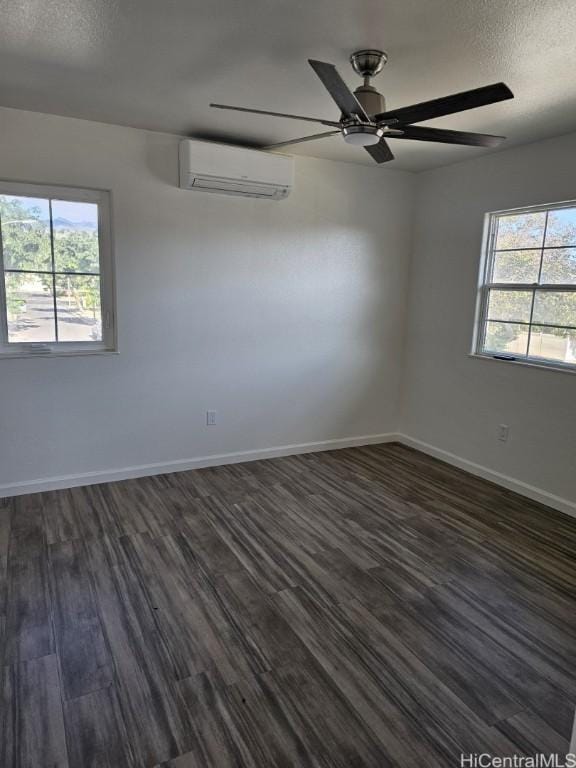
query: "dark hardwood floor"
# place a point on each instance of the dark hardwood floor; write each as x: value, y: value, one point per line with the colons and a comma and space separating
x: 361, y: 607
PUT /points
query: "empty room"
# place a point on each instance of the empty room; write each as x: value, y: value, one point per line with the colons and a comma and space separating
x: 288, y: 384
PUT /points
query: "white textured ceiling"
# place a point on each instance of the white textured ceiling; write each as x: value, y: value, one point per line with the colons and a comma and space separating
x: 157, y: 64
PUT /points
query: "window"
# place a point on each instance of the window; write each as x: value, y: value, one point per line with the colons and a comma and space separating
x: 527, y: 299
x: 56, y: 292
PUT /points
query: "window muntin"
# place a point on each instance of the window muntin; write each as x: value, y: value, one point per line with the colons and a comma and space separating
x: 527, y: 297
x: 56, y: 291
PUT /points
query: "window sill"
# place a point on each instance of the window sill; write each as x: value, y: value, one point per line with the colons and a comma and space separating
x: 527, y: 363
x: 59, y: 353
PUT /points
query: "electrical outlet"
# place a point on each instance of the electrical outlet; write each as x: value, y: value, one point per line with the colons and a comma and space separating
x: 503, y: 432
x: 210, y: 418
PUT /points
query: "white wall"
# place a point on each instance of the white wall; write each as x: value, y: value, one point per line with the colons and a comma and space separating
x: 455, y: 402
x: 287, y: 318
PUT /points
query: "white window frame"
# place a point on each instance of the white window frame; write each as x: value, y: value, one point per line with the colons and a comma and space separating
x: 108, y: 344
x: 484, y: 286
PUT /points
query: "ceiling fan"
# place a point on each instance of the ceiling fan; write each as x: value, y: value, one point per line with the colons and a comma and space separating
x: 365, y: 122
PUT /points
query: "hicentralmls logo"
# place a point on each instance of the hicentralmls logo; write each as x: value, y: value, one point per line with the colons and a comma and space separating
x: 540, y: 760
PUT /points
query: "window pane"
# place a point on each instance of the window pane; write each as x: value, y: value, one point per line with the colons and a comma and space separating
x: 78, y: 307
x: 520, y: 230
x: 30, y: 307
x: 506, y: 337
x: 25, y: 233
x: 559, y: 266
x: 510, y: 305
x: 516, y: 267
x: 556, y: 344
x: 75, y: 227
x: 555, y: 307
x: 561, y: 227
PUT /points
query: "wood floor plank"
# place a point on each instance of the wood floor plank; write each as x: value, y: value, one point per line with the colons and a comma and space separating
x: 440, y: 648
x: 96, y: 732
x: 28, y: 608
x: 85, y: 663
x: 526, y: 615
x: 224, y: 734
x: 330, y: 728
x: 552, y: 667
x: 28, y: 625
x: 291, y: 717
x: 96, y: 517
x: 406, y: 738
x: 432, y: 692
x: 32, y: 732
x: 493, y: 682
x: 5, y: 522
x: 229, y: 482
x: 60, y: 517
x: 138, y: 505
x: 246, y: 543
x: 319, y: 520
x: 533, y: 736
x: 388, y: 664
x: 156, y: 718
x: 2, y: 639
x: 259, y: 620
x: 209, y: 549
x: 189, y: 614
x: 27, y: 532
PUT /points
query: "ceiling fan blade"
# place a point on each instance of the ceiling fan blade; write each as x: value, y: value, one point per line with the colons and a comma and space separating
x: 337, y: 88
x: 450, y: 137
x: 381, y: 152
x: 278, y: 114
x: 448, y: 105
x: 302, y: 140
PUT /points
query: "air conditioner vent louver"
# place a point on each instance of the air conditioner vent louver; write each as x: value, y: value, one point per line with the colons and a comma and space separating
x: 233, y: 187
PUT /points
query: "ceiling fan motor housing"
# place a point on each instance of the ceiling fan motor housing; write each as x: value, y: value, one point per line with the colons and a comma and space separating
x: 372, y: 101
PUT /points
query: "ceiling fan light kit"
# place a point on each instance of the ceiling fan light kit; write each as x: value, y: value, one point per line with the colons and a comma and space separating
x: 361, y: 135
x: 365, y: 121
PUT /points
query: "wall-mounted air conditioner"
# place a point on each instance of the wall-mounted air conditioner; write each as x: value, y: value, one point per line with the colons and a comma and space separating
x: 211, y: 167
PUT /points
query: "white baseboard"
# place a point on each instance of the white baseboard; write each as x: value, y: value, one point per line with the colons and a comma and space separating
x: 524, y: 489
x: 214, y: 460
x: 181, y: 465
